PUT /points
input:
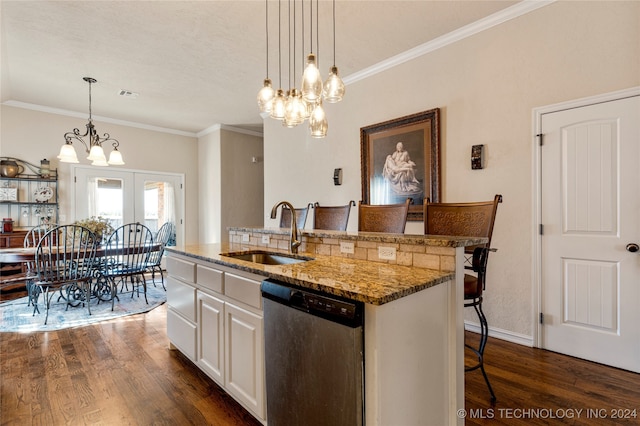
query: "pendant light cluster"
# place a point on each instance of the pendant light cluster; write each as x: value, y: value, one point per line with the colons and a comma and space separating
x: 298, y: 105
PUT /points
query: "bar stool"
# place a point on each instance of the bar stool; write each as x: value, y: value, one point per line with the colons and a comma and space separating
x: 334, y: 218
x: 390, y: 218
x: 301, y: 216
x: 469, y: 220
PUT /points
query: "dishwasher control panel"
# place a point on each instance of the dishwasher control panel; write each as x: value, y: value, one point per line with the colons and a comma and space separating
x: 330, y: 306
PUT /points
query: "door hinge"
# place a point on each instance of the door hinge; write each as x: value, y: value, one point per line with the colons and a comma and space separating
x: 180, y: 186
x: 75, y: 179
x: 541, y: 318
x: 540, y: 138
x: 541, y: 229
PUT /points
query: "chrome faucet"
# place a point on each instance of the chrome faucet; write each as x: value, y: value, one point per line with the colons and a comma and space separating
x: 293, y: 241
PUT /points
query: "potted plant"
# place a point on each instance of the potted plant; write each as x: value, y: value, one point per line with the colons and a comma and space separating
x: 98, y: 225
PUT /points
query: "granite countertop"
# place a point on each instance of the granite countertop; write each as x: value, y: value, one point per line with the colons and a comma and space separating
x: 369, y: 282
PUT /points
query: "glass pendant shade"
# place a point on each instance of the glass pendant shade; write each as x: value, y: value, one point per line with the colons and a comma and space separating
x: 115, y: 158
x: 277, y: 109
x: 333, y: 87
x: 67, y: 154
x: 97, y: 154
x: 265, y: 96
x: 311, y: 80
x: 294, y: 109
x: 318, y: 122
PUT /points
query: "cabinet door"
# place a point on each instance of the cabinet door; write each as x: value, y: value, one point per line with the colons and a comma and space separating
x: 211, y: 336
x: 181, y: 333
x: 244, y: 358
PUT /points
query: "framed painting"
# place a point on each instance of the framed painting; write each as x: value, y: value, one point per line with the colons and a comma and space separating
x: 400, y: 159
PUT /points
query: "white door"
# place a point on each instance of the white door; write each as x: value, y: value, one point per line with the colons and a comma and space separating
x: 590, y: 213
x: 127, y: 196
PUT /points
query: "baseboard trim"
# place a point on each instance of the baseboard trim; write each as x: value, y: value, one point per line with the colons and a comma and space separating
x: 501, y: 334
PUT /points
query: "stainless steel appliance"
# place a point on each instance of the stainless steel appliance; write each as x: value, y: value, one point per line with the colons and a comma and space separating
x: 314, y: 357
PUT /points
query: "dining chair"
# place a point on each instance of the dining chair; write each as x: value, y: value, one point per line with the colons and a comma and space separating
x: 63, y: 261
x: 31, y: 239
x: 301, y: 216
x: 334, y: 218
x: 153, y: 264
x: 389, y: 218
x: 127, y: 252
x: 471, y: 219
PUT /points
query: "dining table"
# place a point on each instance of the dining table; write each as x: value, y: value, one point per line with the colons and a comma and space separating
x: 15, y: 255
x: 28, y: 254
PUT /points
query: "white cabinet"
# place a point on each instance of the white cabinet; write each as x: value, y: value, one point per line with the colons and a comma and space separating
x: 211, y: 336
x: 215, y: 318
x: 244, y: 352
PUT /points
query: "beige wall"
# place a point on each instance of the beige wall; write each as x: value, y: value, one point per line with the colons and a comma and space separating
x: 32, y: 135
x: 486, y: 87
x: 231, y: 184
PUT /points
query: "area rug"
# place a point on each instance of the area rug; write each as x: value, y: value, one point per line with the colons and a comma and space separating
x: 16, y: 316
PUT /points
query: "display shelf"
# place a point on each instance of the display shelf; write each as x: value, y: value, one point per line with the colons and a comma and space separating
x: 29, y: 199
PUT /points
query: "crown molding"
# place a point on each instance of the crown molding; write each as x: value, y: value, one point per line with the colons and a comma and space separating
x: 59, y: 111
x: 476, y: 27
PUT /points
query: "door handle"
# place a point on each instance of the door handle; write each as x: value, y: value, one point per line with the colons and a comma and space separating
x: 632, y: 247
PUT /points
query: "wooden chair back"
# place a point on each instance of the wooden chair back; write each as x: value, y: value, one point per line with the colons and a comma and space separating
x: 475, y: 219
x: 334, y: 218
x: 301, y: 216
x: 389, y: 218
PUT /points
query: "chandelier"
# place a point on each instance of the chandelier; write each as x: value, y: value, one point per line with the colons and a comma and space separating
x: 298, y: 105
x: 94, y: 145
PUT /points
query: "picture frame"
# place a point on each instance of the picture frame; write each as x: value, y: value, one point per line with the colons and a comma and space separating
x: 400, y: 159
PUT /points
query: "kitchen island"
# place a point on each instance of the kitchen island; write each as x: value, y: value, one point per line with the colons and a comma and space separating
x: 414, y: 372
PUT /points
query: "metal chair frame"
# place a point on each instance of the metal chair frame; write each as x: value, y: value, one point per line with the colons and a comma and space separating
x: 31, y: 239
x: 474, y: 219
x: 64, y: 260
x: 129, y: 247
x: 155, y: 257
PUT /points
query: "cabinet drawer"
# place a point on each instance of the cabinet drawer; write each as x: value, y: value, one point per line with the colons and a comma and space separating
x: 182, y: 298
x: 210, y: 278
x: 181, y: 269
x: 181, y: 333
x: 243, y: 289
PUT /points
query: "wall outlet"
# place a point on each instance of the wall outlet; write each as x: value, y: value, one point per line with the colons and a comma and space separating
x: 265, y: 239
x: 346, y: 247
x: 245, y: 238
x: 387, y: 253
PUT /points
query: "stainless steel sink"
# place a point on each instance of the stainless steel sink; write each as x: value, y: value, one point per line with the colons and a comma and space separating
x: 267, y: 258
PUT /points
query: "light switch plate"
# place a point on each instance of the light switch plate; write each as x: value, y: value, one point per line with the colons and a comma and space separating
x: 346, y: 247
x: 245, y: 238
x: 387, y: 253
x: 265, y: 239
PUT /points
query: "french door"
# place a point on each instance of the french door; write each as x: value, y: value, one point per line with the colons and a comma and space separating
x: 151, y: 198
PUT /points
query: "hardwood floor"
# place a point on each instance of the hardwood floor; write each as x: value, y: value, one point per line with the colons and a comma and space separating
x: 121, y: 372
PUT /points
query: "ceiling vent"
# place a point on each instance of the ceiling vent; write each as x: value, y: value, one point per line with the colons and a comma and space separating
x: 127, y: 94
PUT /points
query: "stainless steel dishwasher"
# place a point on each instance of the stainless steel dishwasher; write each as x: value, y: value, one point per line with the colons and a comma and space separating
x: 314, y: 358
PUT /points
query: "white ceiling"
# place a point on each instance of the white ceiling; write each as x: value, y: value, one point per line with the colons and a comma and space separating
x: 196, y: 64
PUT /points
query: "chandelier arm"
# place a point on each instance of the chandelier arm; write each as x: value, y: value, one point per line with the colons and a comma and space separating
x: 69, y: 136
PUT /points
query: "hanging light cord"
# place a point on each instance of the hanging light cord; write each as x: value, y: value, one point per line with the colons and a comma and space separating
x: 334, y: 33
x: 266, y: 30
x: 279, y: 46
